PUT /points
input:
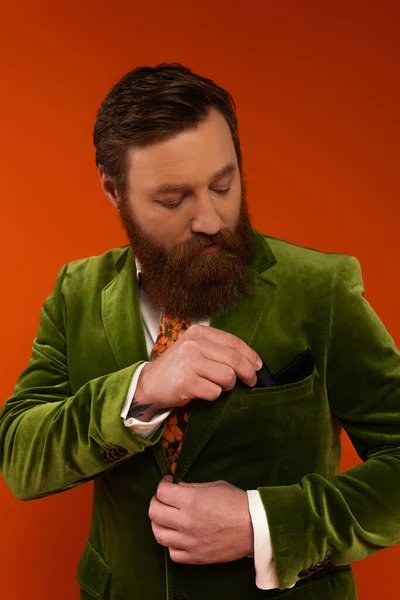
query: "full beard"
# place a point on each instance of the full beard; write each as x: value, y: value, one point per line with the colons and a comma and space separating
x: 186, y: 284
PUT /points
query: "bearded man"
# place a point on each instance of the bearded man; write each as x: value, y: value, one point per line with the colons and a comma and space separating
x: 201, y: 375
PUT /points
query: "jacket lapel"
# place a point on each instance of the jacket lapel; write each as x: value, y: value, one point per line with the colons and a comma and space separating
x: 122, y: 319
x: 242, y: 321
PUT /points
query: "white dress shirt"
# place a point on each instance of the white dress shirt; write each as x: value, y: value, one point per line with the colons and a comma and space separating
x: 263, y: 557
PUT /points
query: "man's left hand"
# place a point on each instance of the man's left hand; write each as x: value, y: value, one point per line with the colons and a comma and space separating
x: 202, y: 523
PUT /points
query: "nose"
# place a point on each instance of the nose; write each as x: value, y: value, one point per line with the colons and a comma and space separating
x: 206, y: 218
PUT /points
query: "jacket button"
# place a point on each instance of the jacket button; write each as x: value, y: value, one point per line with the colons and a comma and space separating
x: 105, y: 456
x: 324, y: 562
x: 121, y: 451
x: 303, y: 574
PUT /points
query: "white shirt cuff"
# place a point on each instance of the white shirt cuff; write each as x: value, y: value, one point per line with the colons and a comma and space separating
x: 264, y: 562
x: 132, y: 390
x: 142, y: 428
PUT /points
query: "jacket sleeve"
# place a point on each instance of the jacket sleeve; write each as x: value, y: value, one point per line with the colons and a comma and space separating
x: 346, y: 517
x: 52, y: 440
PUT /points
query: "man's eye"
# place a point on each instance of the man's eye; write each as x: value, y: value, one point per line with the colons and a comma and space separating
x: 177, y: 204
x: 172, y: 206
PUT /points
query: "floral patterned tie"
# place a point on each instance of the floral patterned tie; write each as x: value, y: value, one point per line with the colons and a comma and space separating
x: 169, y: 331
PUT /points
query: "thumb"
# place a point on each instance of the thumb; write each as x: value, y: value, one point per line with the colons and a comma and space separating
x: 168, y: 478
x: 200, y: 484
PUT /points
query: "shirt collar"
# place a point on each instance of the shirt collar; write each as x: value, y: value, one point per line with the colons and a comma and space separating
x: 138, y: 270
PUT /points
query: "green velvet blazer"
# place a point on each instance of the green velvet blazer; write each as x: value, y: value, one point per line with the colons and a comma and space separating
x: 62, y: 427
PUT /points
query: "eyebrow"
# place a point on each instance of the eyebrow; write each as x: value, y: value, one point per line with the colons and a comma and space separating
x: 174, y: 187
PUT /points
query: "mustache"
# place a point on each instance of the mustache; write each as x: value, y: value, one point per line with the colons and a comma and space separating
x: 187, y: 254
x: 224, y: 239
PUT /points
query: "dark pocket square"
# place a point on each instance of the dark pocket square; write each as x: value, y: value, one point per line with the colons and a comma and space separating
x: 299, y: 368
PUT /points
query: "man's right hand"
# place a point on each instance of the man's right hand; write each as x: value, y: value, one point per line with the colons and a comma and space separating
x: 202, y: 363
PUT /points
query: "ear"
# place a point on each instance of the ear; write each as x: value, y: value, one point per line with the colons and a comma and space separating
x: 108, y: 186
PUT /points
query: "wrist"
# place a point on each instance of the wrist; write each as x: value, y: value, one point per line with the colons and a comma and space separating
x: 141, y: 407
x: 146, y: 413
x: 248, y: 537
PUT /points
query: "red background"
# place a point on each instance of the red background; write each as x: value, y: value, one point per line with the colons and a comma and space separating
x: 317, y: 92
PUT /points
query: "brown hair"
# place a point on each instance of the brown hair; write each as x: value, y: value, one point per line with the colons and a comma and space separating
x: 151, y: 104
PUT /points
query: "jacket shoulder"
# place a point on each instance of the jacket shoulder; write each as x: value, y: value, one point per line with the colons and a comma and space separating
x: 295, y: 259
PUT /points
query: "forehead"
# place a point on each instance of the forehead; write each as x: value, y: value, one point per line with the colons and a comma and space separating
x: 191, y: 157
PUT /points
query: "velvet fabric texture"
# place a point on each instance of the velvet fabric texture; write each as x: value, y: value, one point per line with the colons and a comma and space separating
x: 62, y: 427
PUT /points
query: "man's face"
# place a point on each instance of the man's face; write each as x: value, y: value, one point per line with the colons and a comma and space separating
x: 183, y: 194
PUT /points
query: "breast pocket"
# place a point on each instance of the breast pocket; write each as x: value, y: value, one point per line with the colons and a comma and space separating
x: 279, y: 394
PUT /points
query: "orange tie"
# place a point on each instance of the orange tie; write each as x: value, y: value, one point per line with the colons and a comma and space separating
x: 169, y: 331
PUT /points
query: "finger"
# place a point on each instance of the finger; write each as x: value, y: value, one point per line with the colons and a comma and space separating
x: 228, y: 340
x: 167, y: 478
x: 162, y: 514
x: 169, y: 537
x: 201, y: 484
x: 181, y: 556
x: 225, y: 368
x: 216, y: 371
x: 172, y: 494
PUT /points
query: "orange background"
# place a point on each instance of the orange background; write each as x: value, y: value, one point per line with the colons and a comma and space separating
x: 317, y: 92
